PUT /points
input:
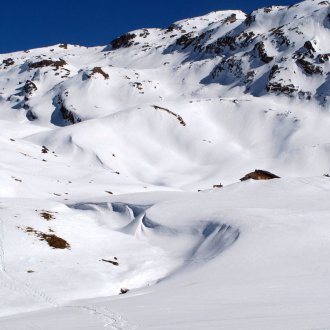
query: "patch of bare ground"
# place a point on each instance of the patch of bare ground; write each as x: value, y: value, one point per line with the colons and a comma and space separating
x: 259, y: 175
x: 178, y: 117
x: 99, y: 70
x: 47, y: 63
x: 53, y: 240
x: 47, y: 215
x: 65, y: 46
x: 123, y: 290
x: 8, y: 62
x: 115, y: 262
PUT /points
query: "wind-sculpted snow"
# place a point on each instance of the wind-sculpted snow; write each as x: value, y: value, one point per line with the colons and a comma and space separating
x: 257, y: 250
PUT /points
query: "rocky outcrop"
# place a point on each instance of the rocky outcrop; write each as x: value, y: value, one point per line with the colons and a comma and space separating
x: 178, y: 117
x: 29, y: 88
x: 68, y: 115
x: 186, y: 40
x: 280, y: 39
x: 230, y: 65
x: 259, y: 175
x: 309, y: 68
x: 260, y: 48
x: 322, y: 58
x: 124, y: 41
x: 8, y: 62
x: 99, y: 70
x: 276, y: 87
x: 47, y: 63
x: 230, y: 19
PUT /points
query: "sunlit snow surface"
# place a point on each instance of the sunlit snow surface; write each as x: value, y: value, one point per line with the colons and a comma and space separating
x: 124, y: 198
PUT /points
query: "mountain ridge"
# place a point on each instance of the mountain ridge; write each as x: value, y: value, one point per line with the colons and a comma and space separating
x: 127, y: 199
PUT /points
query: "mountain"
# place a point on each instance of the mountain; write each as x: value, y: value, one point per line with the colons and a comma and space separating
x: 193, y: 84
x: 120, y: 200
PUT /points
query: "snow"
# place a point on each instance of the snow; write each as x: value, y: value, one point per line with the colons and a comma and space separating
x: 249, y: 255
x: 107, y: 182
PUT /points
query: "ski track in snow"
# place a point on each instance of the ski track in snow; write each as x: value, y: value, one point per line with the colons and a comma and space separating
x: 10, y: 282
x: 112, y: 320
x: 2, y: 252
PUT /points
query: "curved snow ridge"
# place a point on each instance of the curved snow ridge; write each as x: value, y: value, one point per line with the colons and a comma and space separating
x: 205, y: 240
x: 216, y: 238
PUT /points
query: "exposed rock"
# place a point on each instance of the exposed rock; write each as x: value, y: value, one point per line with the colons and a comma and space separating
x: 260, y: 48
x: 276, y: 87
x: 259, y: 175
x: 322, y: 58
x: 29, y: 87
x: 123, y: 290
x: 250, y: 18
x: 309, y: 46
x: 30, y: 115
x: 308, y: 67
x: 137, y: 85
x: 171, y: 28
x: 47, y: 215
x: 126, y: 40
x: 230, y: 19
x: 67, y: 114
x: 273, y: 71
x: 64, y: 46
x: 280, y: 38
x: 186, y: 40
x: 231, y: 65
x: 305, y: 95
x: 180, y: 119
x: 250, y: 76
x: 221, y: 43
x: 245, y: 38
x: 145, y: 33
x: 99, y: 70
x: 47, y: 63
x: 8, y: 62
x: 115, y: 263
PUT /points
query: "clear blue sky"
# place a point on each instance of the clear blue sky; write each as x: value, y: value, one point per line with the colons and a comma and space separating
x: 28, y: 24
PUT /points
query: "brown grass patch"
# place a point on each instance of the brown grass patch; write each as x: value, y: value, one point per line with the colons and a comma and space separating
x: 47, y: 215
x: 178, y: 117
x: 99, y: 70
x: 259, y: 175
x: 53, y: 241
x: 47, y: 63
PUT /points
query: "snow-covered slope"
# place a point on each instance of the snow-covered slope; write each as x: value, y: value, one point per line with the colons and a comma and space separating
x: 108, y: 159
x: 204, y: 94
